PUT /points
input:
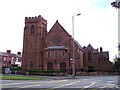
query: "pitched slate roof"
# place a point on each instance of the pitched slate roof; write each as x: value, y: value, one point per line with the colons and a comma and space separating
x: 106, y: 55
x: 78, y: 44
x: 55, y: 47
x: 85, y: 48
x: 3, y: 54
x: 11, y: 54
x: 89, y: 45
x: 95, y: 51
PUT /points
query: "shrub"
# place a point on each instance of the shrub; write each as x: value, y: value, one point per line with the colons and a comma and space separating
x: 45, y: 71
x: 91, y: 69
x: 16, y: 68
x: 83, y: 69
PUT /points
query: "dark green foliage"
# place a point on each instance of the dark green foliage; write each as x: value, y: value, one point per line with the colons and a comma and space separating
x: 116, y: 64
x: 46, y: 71
x: 16, y: 68
x: 83, y: 69
x: 91, y: 69
x: 10, y: 77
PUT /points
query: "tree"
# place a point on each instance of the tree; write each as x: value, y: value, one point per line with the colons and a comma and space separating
x: 116, y: 64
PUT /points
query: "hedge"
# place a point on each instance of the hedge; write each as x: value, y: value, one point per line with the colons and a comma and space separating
x: 46, y: 71
x: 17, y: 68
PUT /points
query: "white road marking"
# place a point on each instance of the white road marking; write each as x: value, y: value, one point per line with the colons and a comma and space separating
x: 108, y: 85
x: 12, y: 83
x: 90, y: 85
x: 66, y: 84
x: 85, y: 79
x: 109, y: 81
x: 43, y: 83
x: 19, y: 83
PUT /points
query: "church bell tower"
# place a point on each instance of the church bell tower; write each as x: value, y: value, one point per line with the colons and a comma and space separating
x: 35, y: 31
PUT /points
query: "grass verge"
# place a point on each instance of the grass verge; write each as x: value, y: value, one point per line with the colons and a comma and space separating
x: 20, y: 78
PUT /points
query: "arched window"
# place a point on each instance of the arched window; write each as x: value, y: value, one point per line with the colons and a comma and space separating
x: 31, y: 65
x: 56, y: 54
x: 62, y: 66
x: 49, y: 66
x: 49, y: 54
x: 32, y: 30
x: 30, y: 45
x: 56, y: 39
x: 62, y: 54
x: 44, y: 31
x: 89, y: 56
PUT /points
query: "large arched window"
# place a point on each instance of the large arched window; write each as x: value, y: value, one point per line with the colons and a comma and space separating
x: 56, y: 39
x: 89, y: 56
x: 49, y: 66
x: 62, y: 66
x: 32, y: 30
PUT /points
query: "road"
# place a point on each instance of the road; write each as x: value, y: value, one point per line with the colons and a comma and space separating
x: 61, y: 83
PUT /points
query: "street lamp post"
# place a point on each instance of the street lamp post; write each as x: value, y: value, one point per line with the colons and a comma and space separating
x: 116, y: 4
x: 73, y: 66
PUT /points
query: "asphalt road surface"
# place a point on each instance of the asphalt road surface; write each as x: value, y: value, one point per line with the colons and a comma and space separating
x: 64, y: 83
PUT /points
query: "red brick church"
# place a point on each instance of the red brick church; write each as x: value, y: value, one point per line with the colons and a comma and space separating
x: 53, y: 50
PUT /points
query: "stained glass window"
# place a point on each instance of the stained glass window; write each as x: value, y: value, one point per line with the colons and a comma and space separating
x: 56, y: 39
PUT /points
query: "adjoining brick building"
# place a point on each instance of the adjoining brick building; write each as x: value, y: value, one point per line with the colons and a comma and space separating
x: 8, y: 59
x: 53, y: 50
x: 96, y: 60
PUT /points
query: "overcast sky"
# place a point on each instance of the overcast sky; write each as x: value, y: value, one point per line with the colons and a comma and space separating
x: 97, y: 24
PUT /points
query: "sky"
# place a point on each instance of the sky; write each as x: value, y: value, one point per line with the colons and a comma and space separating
x: 97, y: 24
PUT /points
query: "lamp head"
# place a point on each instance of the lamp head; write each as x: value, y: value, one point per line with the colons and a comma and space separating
x: 78, y: 14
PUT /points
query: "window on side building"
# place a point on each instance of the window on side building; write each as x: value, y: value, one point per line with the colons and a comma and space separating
x: 89, y: 56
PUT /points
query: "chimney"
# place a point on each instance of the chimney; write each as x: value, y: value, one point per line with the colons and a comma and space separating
x: 8, y: 51
x: 100, y: 49
x: 19, y: 53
